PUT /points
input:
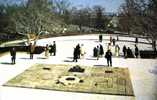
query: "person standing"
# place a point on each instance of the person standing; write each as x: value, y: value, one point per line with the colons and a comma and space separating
x: 109, y: 46
x: 98, y: 52
x: 114, y: 41
x: 129, y: 53
x: 13, y: 55
x: 75, y: 55
x: 108, y: 56
x: 54, y: 48
x: 95, y: 52
x: 47, y: 51
x: 78, y: 50
x: 136, y: 51
x: 117, y: 49
x: 82, y: 51
x: 101, y: 50
x: 51, y: 49
x: 124, y: 51
x: 110, y: 39
x: 31, y: 50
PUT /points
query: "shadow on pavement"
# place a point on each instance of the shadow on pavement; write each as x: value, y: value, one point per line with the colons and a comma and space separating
x: 68, y: 61
x: 6, y: 63
x: 41, y: 58
x: 91, y: 58
x: 25, y: 58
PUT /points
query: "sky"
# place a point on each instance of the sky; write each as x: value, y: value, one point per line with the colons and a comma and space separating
x: 109, y: 5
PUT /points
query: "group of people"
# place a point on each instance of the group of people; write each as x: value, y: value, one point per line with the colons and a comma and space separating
x: 98, y: 51
x: 31, y: 48
x: 50, y: 49
x: 78, y: 53
x: 127, y: 52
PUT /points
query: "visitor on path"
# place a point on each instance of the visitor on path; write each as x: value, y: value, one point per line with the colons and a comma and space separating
x: 136, y: 40
x: 31, y: 50
x: 136, y: 51
x: 117, y: 50
x: 129, y: 53
x: 108, y: 56
x: 124, y: 51
x: 101, y: 50
x: 75, y: 55
x: 47, y: 51
x: 100, y: 38
x: 82, y: 51
x: 98, y: 52
x: 109, y: 46
x: 13, y: 55
x: 110, y: 39
x: 95, y: 52
x: 117, y: 38
x: 54, y: 48
x: 78, y: 50
x: 50, y: 49
x: 114, y: 41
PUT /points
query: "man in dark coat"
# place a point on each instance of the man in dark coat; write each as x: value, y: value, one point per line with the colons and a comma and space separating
x: 101, y: 50
x: 51, y: 49
x: 13, y: 55
x: 108, y: 56
x: 54, y: 48
x: 114, y: 41
x: 78, y: 51
x: 124, y: 51
x: 95, y: 52
x: 129, y: 53
x: 136, y: 51
x: 75, y: 54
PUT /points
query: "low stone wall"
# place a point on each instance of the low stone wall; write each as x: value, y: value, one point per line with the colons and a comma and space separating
x: 148, y: 54
x: 38, y: 49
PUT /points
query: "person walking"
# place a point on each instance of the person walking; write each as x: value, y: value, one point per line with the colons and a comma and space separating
x: 124, y: 51
x: 108, y: 56
x: 117, y: 49
x: 13, y: 55
x: 136, y: 51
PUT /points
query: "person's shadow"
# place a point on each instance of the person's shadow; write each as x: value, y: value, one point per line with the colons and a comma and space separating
x: 6, y: 63
x: 68, y: 60
x: 25, y: 58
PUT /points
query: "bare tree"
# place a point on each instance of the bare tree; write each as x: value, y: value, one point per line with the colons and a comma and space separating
x: 35, y: 18
x: 139, y: 17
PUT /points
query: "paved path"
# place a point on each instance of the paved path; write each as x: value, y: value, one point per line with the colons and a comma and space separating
x: 143, y: 71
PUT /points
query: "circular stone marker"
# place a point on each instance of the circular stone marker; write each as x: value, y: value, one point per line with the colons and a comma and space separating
x: 68, y: 80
